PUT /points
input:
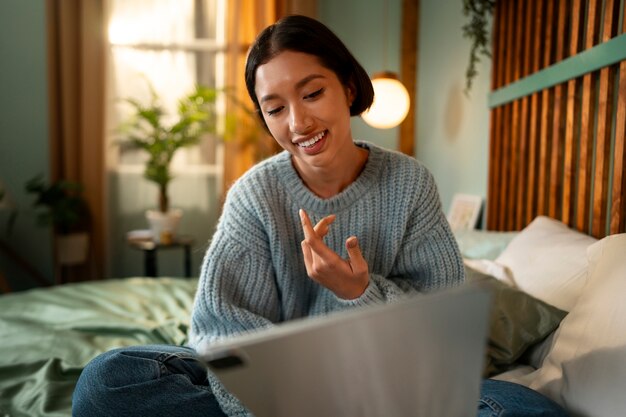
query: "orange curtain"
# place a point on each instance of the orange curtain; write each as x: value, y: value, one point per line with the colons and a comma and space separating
x: 246, y: 18
x: 76, y: 51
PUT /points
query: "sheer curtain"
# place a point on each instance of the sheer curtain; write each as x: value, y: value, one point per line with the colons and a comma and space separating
x: 76, y: 42
x: 169, y: 46
x: 148, y: 41
x: 78, y: 56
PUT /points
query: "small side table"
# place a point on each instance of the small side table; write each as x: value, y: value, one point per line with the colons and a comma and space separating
x: 150, y: 249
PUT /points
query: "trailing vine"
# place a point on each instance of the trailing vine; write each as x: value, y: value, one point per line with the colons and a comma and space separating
x: 476, y: 30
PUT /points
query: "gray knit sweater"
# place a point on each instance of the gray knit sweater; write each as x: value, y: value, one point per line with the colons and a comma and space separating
x: 253, y: 274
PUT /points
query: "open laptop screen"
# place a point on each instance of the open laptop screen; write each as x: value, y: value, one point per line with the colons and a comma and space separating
x: 422, y: 356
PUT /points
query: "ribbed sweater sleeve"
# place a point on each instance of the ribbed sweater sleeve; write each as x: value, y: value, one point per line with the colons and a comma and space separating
x: 253, y: 274
x: 237, y: 291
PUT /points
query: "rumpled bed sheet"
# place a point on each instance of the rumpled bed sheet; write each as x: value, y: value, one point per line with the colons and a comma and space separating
x: 48, y: 335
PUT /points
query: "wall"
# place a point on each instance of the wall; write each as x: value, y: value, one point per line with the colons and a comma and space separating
x: 360, y: 25
x: 23, y: 132
x: 24, y: 153
x: 196, y: 193
x: 452, y: 128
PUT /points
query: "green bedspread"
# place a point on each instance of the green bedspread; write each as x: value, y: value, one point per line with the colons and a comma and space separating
x: 48, y: 335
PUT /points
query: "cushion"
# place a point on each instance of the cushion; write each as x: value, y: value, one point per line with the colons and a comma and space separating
x: 548, y: 261
x: 487, y: 267
x: 537, y: 353
x: 482, y: 244
x: 585, y: 369
x: 517, y: 322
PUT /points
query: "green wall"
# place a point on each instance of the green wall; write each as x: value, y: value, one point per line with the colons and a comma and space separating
x: 23, y: 132
x: 196, y: 193
x: 452, y: 128
x: 24, y: 152
x: 360, y: 25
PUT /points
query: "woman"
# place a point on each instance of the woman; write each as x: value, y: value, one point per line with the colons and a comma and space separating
x: 327, y: 224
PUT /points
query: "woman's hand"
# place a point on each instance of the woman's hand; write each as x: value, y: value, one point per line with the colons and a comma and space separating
x: 347, y: 278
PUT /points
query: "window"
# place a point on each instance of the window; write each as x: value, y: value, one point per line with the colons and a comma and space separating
x: 170, y: 45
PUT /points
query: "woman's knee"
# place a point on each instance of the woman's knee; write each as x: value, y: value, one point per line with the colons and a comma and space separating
x: 92, y: 388
x: 144, y: 380
x: 118, y: 368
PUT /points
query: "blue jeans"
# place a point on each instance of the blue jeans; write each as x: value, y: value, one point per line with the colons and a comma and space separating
x: 170, y: 381
x: 506, y: 399
x: 154, y: 380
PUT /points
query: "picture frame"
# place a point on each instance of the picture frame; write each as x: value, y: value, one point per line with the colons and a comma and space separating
x: 464, y: 211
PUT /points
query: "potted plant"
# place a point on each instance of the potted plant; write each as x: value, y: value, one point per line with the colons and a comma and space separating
x: 65, y: 210
x: 148, y: 129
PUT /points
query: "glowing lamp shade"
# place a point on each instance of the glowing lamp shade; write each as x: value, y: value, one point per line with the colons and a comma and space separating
x: 391, y: 102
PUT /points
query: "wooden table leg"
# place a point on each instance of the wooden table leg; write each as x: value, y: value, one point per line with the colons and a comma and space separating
x: 4, y: 284
x: 150, y: 263
x: 188, y: 261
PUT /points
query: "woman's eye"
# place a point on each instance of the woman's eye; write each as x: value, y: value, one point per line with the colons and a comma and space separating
x: 314, y: 94
x: 274, y: 111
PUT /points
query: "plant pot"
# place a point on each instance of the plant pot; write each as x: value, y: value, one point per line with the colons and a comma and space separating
x: 72, y: 249
x: 164, y: 225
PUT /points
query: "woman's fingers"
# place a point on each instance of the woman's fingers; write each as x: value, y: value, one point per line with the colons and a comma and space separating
x: 357, y: 261
x: 308, y: 257
x: 306, y: 224
x: 321, y: 228
x: 315, y: 241
x: 346, y: 278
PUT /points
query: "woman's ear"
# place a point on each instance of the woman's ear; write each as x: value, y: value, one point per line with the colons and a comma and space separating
x: 350, y: 95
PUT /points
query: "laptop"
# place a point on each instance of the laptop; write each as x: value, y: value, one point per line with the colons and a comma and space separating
x: 421, y: 356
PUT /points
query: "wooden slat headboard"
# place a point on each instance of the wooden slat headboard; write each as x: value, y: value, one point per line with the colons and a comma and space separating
x: 557, y: 147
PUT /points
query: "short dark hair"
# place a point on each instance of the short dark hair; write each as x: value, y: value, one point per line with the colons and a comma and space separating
x: 304, y: 34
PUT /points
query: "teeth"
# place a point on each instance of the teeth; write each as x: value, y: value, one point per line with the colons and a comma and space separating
x: 311, y: 141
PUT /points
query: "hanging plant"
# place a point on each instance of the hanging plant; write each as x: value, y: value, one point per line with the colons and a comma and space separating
x: 476, y: 30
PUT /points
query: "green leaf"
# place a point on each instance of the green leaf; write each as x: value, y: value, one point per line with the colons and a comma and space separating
x: 479, y: 12
x: 197, y: 116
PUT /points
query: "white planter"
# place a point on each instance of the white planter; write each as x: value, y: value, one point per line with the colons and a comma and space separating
x: 72, y: 249
x: 164, y: 225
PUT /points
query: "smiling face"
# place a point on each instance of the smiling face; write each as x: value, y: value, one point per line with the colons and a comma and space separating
x: 306, y: 109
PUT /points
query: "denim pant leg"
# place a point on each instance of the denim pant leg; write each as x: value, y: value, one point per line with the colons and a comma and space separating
x: 506, y: 399
x: 155, y: 380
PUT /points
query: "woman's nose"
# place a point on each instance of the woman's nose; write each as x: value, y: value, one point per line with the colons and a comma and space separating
x: 300, y: 121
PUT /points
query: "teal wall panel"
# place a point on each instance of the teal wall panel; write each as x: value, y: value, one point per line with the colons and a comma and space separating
x: 600, y: 56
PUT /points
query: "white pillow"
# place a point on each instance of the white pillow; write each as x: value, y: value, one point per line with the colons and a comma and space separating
x: 482, y: 244
x: 548, y: 261
x: 487, y: 267
x: 585, y: 370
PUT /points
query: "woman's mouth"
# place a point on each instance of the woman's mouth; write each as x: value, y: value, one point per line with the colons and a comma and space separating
x: 311, y: 142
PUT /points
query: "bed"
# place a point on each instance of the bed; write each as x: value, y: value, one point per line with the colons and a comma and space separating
x: 579, y: 359
x: 557, y: 321
x: 47, y: 335
x: 556, y: 176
